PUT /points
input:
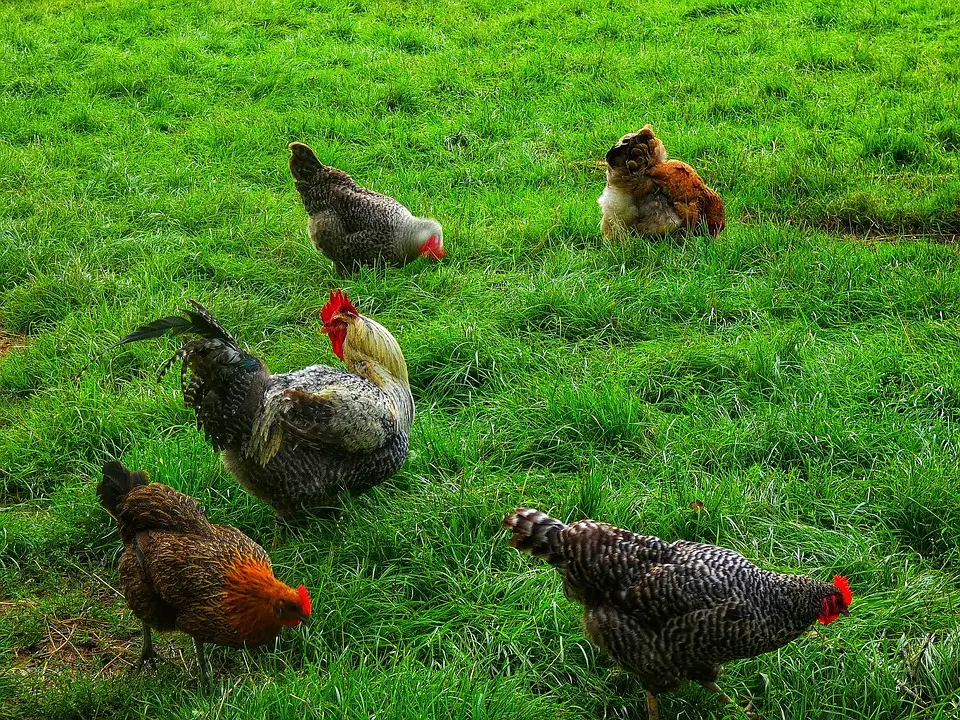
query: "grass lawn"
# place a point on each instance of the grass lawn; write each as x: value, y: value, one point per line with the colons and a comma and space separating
x: 798, y: 375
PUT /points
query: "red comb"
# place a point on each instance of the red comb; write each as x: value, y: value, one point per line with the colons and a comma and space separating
x: 338, y: 303
x: 841, y: 584
x: 304, y: 600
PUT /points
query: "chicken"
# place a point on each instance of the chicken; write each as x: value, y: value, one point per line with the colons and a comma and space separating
x: 180, y: 572
x: 354, y: 226
x: 672, y: 612
x: 297, y: 440
x: 652, y: 196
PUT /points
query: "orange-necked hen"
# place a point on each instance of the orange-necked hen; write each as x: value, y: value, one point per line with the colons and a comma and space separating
x: 181, y: 572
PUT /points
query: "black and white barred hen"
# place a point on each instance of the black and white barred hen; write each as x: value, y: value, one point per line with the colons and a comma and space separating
x: 354, y: 226
x: 299, y: 439
x: 672, y: 612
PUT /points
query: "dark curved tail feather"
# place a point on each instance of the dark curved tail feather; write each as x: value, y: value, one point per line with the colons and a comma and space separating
x: 198, y: 321
x: 536, y: 533
x: 116, y: 483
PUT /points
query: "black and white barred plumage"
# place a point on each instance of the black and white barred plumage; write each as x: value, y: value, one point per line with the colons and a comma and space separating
x: 671, y: 612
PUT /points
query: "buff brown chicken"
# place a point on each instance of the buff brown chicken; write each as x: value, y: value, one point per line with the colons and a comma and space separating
x: 357, y: 227
x: 673, y: 612
x: 652, y: 196
x: 180, y: 572
x: 297, y: 440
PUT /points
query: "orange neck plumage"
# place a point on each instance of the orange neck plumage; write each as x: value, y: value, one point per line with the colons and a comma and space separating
x: 251, y: 598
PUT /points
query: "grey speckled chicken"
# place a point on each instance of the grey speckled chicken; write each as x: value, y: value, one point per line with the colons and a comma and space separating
x: 299, y: 439
x: 354, y: 226
x: 672, y: 612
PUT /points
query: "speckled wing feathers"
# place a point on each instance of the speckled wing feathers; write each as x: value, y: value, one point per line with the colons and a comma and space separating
x: 159, y: 507
x: 323, y: 408
x: 211, y: 555
x: 351, y: 225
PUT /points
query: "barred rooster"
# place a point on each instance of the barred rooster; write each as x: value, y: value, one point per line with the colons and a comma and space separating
x: 180, y: 572
x: 354, y: 226
x: 672, y: 612
x: 651, y: 196
x: 299, y: 439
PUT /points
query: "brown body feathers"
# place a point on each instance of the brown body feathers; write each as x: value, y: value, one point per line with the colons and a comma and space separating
x: 179, y: 571
x: 650, y: 195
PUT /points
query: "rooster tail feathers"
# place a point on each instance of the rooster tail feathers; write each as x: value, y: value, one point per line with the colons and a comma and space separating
x: 206, y: 325
x: 536, y: 533
x: 198, y: 321
x: 116, y: 483
x: 174, y: 324
x: 304, y: 164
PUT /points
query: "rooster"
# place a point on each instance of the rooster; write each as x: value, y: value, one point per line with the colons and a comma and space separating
x: 672, y: 612
x: 180, y: 572
x: 299, y: 439
x: 652, y: 196
x: 354, y: 226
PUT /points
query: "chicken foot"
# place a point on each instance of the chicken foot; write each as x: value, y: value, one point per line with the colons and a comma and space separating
x: 726, y: 699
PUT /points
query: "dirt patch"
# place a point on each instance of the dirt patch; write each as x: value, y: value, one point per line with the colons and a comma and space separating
x: 10, y: 342
x: 75, y: 645
x: 951, y: 239
x: 871, y: 232
x: 907, y: 225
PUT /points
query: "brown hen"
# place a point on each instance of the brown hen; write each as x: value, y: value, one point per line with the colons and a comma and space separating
x: 651, y: 196
x: 180, y: 572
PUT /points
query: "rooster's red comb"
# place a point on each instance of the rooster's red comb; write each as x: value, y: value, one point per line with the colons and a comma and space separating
x: 841, y: 584
x: 338, y: 303
x: 304, y: 600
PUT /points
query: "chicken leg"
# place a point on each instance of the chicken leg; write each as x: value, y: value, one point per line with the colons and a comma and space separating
x: 652, y: 712
x: 202, y: 662
x: 147, y: 652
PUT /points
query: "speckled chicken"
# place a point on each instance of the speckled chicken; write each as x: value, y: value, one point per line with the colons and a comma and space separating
x: 181, y: 572
x: 357, y: 227
x: 651, y: 196
x: 297, y: 440
x: 672, y: 612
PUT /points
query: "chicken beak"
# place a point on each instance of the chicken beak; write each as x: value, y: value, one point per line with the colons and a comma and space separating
x: 305, y: 619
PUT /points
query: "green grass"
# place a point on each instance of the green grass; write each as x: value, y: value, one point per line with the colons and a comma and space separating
x: 797, y: 375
